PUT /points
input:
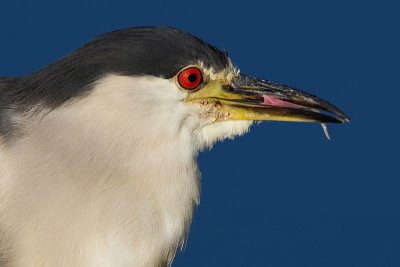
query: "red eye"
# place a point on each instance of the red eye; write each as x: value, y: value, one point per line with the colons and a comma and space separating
x: 190, y: 78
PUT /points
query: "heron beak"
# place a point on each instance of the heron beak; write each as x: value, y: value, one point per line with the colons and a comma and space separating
x: 248, y: 98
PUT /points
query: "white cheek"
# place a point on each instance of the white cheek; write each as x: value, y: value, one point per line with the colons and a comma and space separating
x: 218, y: 131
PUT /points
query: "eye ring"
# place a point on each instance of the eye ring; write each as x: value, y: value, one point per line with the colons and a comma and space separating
x: 190, y: 78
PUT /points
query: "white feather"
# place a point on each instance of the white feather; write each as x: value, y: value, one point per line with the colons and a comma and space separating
x: 109, y: 179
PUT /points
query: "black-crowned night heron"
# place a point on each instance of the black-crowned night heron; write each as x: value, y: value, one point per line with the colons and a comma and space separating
x: 98, y: 150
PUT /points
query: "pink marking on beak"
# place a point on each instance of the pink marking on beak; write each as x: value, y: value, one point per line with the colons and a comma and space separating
x: 275, y: 102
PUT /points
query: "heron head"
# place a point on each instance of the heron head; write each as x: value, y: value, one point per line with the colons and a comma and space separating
x: 164, y: 80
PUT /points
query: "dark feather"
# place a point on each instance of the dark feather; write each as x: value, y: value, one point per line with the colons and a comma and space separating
x: 157, y: 51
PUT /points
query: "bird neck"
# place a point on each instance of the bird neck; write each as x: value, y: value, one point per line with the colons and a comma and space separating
x: 113, y: 171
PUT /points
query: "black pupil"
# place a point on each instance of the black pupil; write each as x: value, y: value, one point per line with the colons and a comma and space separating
x: 192, y: 77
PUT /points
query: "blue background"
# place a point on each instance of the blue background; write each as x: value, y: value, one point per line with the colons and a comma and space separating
x: 282, y: 195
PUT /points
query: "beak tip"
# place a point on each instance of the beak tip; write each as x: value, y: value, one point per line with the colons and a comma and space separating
x: 346, y: 118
